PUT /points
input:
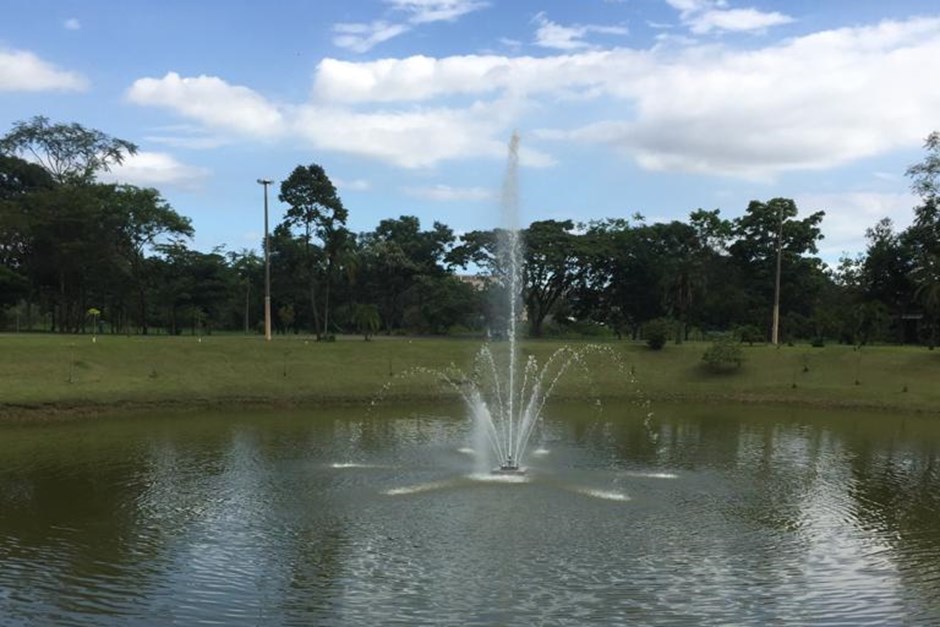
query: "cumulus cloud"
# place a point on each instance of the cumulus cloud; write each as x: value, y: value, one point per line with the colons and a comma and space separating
x: 418, y: 78
x: 411, y: 139
x: 811, y: 102
x: 21, y: 70
x: 552, y: 35
x: 446, y: 193
x: 212, y: 101
x: 352, y: 185
x: 150, y: 169
x: 72, y: 24
x: 850, y: 214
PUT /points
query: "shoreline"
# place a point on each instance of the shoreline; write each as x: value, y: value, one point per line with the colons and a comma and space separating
x: 67, y: 411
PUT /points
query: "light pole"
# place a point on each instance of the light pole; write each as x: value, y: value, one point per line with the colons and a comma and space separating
x: 775, y: 332
x: 267, y: 264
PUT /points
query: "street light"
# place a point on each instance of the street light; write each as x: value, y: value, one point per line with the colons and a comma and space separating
x: 267, y: 264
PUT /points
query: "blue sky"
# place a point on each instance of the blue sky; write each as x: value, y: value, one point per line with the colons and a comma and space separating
x: 651, y: 106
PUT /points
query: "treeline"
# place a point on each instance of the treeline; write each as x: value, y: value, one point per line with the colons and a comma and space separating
x: 77, y: 254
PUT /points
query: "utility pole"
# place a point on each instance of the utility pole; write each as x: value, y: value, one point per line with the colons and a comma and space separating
x: 775, y: 332
x: 267, y: 264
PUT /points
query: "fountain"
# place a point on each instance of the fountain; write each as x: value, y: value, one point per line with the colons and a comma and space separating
x: 504, y: 403
x: 504, y: 397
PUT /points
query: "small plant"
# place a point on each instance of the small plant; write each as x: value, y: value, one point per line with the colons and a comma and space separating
x: 724, y: 355
x: 94, y: 312
x: 656, y: 333
x: 817, y: 342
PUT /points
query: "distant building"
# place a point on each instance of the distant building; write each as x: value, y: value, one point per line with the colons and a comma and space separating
x: 477, y: 281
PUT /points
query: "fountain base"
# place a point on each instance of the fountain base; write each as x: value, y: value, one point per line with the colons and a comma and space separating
x: 509, y: 468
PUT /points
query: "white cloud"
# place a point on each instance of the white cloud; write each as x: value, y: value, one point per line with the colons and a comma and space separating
x: 363, y: 37
x: 552, y: 35
x: 412, y: 138
x: 21, y: 70
x: 736, y: 20
x: 148, y: 169
x: 212, y: 101
x: 418, y: 138
x: 807, y: 103
x: 426, y: 11
x: 352, y: 185
x: 419, y: 78
x: 850, y: 214
x: 72, y: 24
x: 706, y: 16
x: 810, y: 103
x: 446, y: 193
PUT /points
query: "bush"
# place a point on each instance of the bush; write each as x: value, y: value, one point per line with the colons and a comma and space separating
x: 724, y: 355
x: 750, y: 333
x: 656, y: 332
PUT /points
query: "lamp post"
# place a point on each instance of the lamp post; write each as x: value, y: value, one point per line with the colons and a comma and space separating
x: 775, y: 332
x: 267, y: 264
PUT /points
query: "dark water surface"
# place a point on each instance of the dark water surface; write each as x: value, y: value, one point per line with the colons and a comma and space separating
x: 339, y: 517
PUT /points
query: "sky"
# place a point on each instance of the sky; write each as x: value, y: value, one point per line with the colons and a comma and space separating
x: 656, y: 107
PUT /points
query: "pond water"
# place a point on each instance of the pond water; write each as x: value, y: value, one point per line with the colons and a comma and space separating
x: 343, y: 517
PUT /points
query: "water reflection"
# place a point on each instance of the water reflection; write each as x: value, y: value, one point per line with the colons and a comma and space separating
x: 337, y: 517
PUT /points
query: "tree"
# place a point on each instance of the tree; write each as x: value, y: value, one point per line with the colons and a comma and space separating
x: 754, y: 252
x: 314, y: 204
x: 367, y: 320
x: 886, y: 277
x: 399, y: 267
x: 553, y: 262
x: 19, y: 182
x: 70, y: 153
x: 250, y: 270
x: 142, y: 217
x: 924, y: 234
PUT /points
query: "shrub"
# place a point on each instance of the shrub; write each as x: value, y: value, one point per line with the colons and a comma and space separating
x: 750, y: 333
x: 656, y: 332
x: 724, y: 355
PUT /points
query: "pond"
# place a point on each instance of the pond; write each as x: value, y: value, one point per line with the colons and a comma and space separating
x: 702, y: 515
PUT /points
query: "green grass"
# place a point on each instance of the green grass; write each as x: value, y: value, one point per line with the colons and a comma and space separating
x: 71, y: 373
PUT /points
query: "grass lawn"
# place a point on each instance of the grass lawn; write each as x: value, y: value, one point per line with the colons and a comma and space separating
x: 52, y: 373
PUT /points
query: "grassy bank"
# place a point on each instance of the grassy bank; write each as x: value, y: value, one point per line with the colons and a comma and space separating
x: 42, y: 374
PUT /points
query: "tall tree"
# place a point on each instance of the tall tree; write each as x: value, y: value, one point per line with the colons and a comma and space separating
x: 925, y: 232
x: 401, y: 265
x: 70, y: 153
x: 20, y: 181
x: 314, y: 204
x: 554, y: 261
x: 142, y: 217
x: 754, y: 251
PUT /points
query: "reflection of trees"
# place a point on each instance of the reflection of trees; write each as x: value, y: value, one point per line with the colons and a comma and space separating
x: 71, y: 515
x: 896, y: 494
x: 826, y: 508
